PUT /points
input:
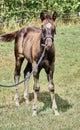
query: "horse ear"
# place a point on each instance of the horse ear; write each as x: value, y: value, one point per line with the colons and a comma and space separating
x: 54, y: 16
x: 42, y: 16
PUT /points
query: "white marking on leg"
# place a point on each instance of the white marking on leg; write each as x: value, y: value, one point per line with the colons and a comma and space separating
x: 54, y: 105
x: 35, y: 104
x: 26, y: 91
x: 16, y: 97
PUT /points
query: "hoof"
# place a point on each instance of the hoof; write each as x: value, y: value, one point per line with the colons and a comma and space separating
x: 57, y: 113
x: 17, y: 104
x: 34, y: 113
x: 27, y: 102
x: 16, y: 99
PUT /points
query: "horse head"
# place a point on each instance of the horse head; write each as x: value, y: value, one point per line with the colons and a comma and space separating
x: 48, y: 28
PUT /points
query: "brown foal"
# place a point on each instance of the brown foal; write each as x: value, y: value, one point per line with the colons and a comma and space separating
x: 29, y: 44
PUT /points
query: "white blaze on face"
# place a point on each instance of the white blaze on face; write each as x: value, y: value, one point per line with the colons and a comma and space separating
x: 48, y: 25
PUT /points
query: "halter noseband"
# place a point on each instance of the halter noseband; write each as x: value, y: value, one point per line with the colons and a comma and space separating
x: 46, y: 37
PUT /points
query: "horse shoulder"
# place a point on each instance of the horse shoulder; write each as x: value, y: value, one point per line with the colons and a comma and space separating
x: 36, y: 48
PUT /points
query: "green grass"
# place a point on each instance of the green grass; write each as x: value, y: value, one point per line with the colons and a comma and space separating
x: 67, y: 88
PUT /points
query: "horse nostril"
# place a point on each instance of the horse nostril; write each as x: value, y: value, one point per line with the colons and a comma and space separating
x: 48, y: 45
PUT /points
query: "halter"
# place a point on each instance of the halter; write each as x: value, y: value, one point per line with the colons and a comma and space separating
x: 46, y: 37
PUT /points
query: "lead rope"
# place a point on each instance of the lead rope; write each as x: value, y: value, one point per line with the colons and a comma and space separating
x: 28, y: 77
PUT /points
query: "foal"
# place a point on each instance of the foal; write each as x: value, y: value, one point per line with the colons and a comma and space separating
x: 29, y: 44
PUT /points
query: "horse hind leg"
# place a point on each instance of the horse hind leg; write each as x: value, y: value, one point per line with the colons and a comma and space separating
x: 27, y: 72
x: 19, y: 61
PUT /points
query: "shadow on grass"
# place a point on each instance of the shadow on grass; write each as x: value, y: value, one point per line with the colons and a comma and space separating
x: 63, y: 105
x: 45, y: 98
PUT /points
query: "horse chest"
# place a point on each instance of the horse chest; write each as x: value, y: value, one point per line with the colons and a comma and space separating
x: 47, y: 61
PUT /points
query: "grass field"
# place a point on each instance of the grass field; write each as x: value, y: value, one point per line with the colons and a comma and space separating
x: 67, y: 88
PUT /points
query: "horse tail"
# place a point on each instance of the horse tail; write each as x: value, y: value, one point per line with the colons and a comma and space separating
x: 8, y: 37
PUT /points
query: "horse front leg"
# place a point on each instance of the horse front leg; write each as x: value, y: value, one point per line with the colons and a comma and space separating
x: 27, y: 72
x: 18, y: 64
x: 51, y: 89
x: 36, y: 90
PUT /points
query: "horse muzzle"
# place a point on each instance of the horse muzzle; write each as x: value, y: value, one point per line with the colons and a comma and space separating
x: 48, y: 43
